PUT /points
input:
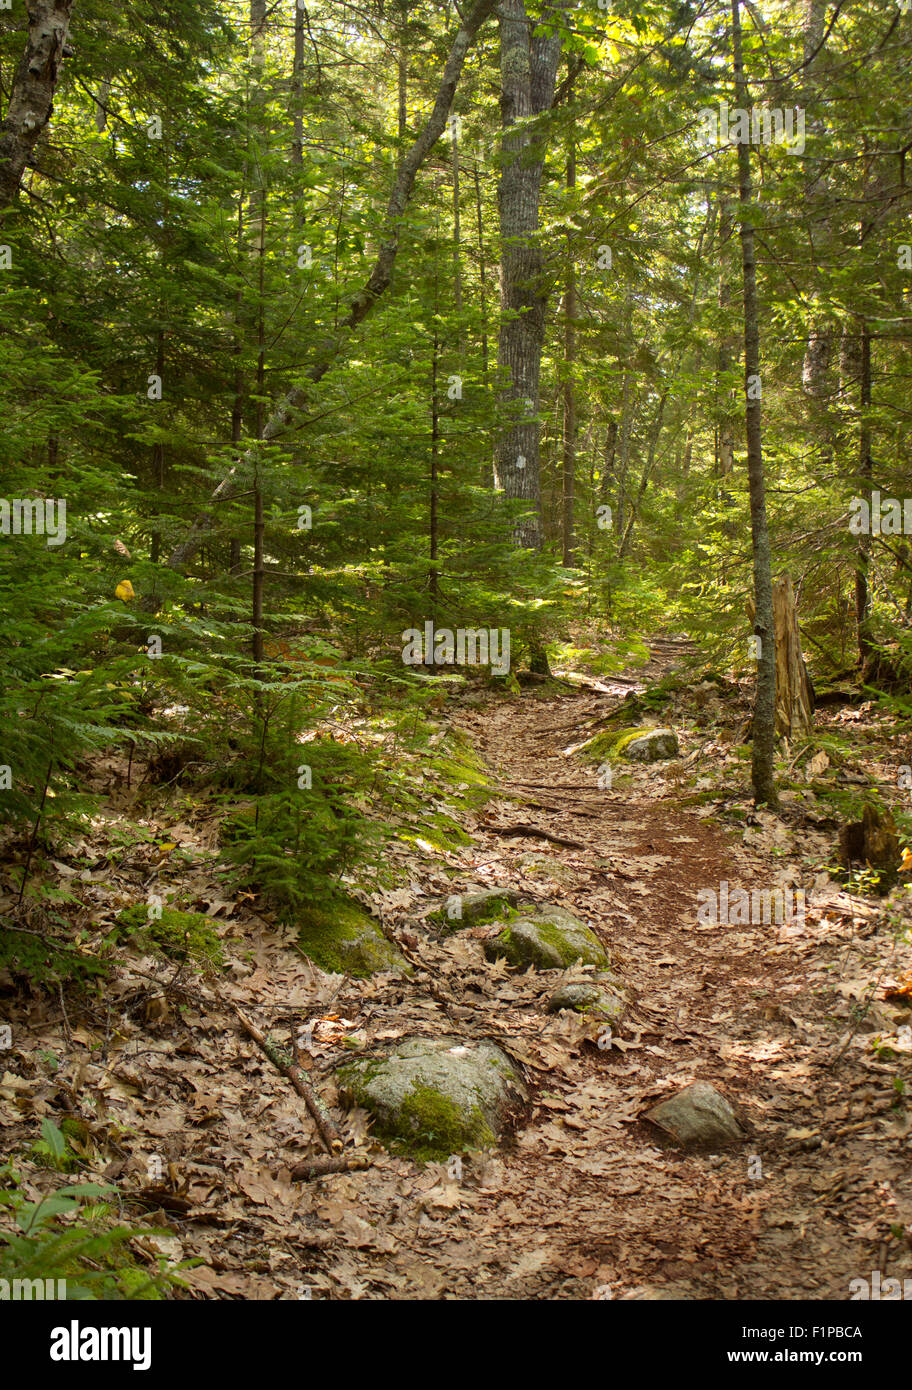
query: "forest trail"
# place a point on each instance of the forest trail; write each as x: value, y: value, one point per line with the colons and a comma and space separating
x: 581, y: 1200
x: 584, y: 1203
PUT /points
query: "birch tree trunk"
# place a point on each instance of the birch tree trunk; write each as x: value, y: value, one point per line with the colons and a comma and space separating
x: 32, y: 96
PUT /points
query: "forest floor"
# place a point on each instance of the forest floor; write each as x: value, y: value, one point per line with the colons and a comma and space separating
x: 800, y: 1025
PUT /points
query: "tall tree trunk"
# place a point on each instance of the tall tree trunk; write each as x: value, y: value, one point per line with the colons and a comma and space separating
x: 482, y: 274
x: 764, y: 720
x: 725, y: 419
x: 32, y: 95
x: 378, y: 282
x: 457, y: 234
x: 818, y: 348
x: 611, y: 434
x: 627, y: 412
x: 528, y: 70
x: 637, y: 502
x: 433, y: 520
x: 569, y: 469
x: 865, y: 469
x: 158, y: 448
x: 258, y: 220
x: 101, y: 106
x: 297, y: 82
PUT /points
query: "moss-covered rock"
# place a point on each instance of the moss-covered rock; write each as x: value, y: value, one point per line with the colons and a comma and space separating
x: 638, y: 745
x: 647, y: 745
x: 539, y: 866
x: 597, y: 996
x: 473, y: 909
x: 433, y: 1097
x: 550, y: 939
x: 178, y: 935
x: 343, y: 939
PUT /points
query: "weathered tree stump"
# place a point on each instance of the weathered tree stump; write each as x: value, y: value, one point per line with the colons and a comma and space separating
x: 794, y: 693
x: 872, y: 841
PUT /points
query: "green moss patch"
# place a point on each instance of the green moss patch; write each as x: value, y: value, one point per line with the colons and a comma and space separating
x: 438, y: 830
x: 177, y: 935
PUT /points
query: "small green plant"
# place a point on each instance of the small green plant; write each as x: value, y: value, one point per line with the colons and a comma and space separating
x: 46, y: 960
x: 62, y: 1244
x: 52, y: 1149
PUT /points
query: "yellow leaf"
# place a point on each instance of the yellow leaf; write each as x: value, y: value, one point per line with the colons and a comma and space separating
x: 906, y: 859
x: 124, y: 590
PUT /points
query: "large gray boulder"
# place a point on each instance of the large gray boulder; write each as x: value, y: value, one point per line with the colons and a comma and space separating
x: 433, y: 1097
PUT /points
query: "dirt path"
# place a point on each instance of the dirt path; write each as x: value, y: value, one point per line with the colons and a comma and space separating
x: 584, y: 1203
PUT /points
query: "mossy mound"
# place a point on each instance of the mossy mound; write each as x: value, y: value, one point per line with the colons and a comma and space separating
x: 433, y: 1097
x: 597, y: 996
x: 177, y: 935
x: 341, y: 938
x: 462, y: 771
x: 549, y: 939
x: 438, y: 831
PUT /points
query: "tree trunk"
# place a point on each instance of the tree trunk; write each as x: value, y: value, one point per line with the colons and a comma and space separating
x: 482, y: 275
x: 297, y: 82
x: 611, y: 434
x: 258, y: 15
x: 433, y: 519
x: 32, y: 95
x: 528, y: 68
x: 726, y: 421
x: 637, y: 502
x: 569, y: 469
x: 815, y: 378
x: 764, y: 720
x: 457, y: 232
x: 865, y: 469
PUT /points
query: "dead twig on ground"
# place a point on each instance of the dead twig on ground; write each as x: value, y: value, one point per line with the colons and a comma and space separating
x: 326, y: 1127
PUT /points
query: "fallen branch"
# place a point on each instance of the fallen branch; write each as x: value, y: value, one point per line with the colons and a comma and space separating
x: 330, y: 1136
x: 319, y: 1167
x: 536, y: 832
